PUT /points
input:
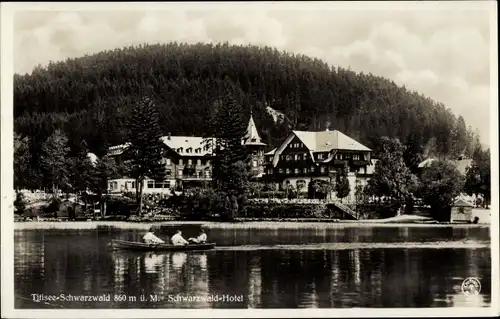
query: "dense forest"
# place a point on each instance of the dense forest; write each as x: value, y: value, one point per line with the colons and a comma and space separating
x: 91, y: 98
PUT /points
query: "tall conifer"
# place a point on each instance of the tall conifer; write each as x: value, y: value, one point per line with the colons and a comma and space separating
x: 145, y: 150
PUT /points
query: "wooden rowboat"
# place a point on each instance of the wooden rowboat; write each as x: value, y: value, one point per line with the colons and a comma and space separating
x: 133, y: 245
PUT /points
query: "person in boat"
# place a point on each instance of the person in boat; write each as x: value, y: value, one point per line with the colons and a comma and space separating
x: 201, y: 239
x: 150, y: 238
x: 178, y: 240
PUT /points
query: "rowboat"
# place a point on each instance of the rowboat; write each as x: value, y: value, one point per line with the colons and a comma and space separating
x: 133, y: 245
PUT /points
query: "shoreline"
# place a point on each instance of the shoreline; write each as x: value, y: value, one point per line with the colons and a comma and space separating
x: 89, y: 225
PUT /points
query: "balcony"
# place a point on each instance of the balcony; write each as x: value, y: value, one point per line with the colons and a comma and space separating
x: 360, y: 163
x: 340, y: 162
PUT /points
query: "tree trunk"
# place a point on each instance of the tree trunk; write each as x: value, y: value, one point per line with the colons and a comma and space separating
x: 104, y: 205
x: 137, y: 190
x: 139, y: 203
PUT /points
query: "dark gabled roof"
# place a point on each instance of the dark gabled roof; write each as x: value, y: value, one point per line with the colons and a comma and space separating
x: 325, y: 141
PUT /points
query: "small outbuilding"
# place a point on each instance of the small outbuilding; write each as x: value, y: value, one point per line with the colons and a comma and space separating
x: 461, y: 211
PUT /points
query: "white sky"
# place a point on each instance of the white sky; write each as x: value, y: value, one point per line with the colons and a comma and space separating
x: 444, y: 54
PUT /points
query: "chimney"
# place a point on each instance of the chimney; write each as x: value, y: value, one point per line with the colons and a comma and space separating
x: 169, y: 136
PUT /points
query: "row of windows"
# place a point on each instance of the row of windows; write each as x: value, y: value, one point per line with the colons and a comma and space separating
x: 293, y: 157
x: 190, y: 149
x: 305, y: 170
x: 297, y: 157
x: 296, y: 145
x: 203, y: 162
x: 153, y: 184
x: 180, y: 173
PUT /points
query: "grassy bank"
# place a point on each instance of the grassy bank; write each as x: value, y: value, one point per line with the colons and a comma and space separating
x: 236, y: 225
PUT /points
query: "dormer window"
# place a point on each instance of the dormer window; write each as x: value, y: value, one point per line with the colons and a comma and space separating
x: 189, y: 150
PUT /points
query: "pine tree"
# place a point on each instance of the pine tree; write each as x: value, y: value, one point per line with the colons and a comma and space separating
x: 22, y: 158
x: 146, y: 148
x: 342, y: 186
x: 54, y: 161
x: 412, y: 154
x: 105, y: 169
x: 478, y: 176
x: 81, y: 169
x: 230, y: 166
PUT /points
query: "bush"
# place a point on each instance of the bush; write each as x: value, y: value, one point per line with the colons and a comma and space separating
x: 20, y: 203
x: 273, y: 194
x: 120, y: 206
x: 53, y: 207
x: 287, y: 211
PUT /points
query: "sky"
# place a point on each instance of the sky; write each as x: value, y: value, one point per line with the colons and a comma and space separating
x: 443, y: 53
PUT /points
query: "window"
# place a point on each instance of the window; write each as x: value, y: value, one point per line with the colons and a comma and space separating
x: 355, y: 157
x: 200, y: 174
x: 198, y: 162
x: 312, y: 169
x: 180, y: 162
x: 322, y: 169
x: 281, y: 171
x: 254, y: 163
x: 304, y: 156
x: 289, y: 157
x: 169, y: 162
x: 167, y: 173
x: 297, y: 157
x: 320, y: 156
x: 305, y: 170
x: 133, y: 185
x: 297, y: 171
x: 180, y: 172
x: 167, y: 184
x: 159, y: 184
x: 151, y: 184
x: 207, y: 173
x: 288, y: 171
x: 270, y: 171
x: 190, y: 162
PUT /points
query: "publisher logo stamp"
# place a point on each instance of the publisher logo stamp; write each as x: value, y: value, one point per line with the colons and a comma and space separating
x: 471, y: 286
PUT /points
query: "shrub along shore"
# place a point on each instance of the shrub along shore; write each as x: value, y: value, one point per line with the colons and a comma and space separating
x: 283, y: 224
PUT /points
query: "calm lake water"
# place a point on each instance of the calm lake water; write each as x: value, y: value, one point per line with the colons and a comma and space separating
x: 340, y: 267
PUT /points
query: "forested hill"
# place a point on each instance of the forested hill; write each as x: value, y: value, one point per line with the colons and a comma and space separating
x: 91, y: 97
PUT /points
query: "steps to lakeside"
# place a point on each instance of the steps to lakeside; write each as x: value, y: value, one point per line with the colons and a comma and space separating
x: 345, y: 209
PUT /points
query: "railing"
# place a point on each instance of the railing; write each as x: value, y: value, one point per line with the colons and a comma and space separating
x: 345, y: 209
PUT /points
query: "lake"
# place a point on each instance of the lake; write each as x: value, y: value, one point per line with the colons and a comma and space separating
x: 314, y: 267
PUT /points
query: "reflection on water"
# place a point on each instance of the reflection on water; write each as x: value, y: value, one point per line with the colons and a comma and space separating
x: 358, y: 275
